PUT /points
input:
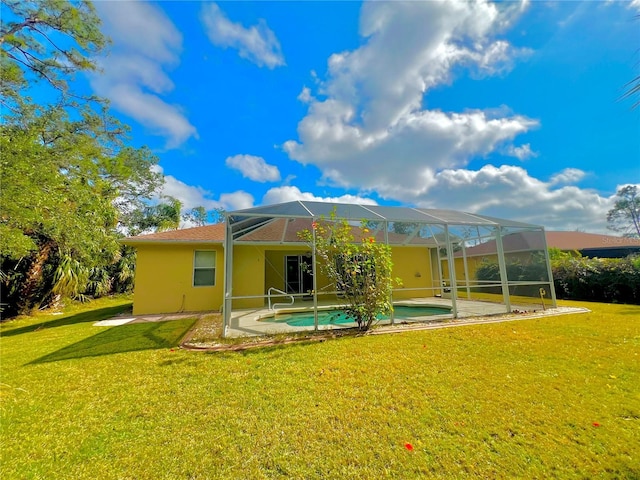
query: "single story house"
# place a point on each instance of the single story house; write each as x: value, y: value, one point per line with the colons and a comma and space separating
x: 256, y: 258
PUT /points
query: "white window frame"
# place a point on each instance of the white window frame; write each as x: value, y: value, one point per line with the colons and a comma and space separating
x: 195, y: 268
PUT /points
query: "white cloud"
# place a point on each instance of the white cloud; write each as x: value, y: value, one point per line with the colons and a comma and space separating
x: 510, y: 192
x: 290, y: 194
x: 567, y: 176
x: 521, y: 153
x: 368, y: 128
x: 195, y: 196
x: 305, y: 95
x: 236, y: 201
x: 254, y: 168
x: 190, y: 196
x: 635, y: 4
x: 258, y: 43
x: 133, y: 77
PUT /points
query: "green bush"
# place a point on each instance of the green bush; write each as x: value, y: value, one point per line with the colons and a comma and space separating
x: 517, y: 271
x: 360, y: 270
x: 612, y: 280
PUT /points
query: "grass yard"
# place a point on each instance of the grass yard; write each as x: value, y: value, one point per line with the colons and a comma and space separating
x: 543, y: 398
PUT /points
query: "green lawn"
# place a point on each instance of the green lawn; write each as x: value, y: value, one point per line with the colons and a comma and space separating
x: 545, y: 398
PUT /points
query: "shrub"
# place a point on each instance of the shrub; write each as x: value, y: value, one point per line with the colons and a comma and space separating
x: 612, y: 280
x: 533, y: 271
x: 360, y: 270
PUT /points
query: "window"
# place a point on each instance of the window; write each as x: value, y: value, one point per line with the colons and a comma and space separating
x: 204, y: 268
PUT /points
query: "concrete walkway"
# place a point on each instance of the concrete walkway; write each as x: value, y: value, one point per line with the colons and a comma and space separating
x: 127, y: 318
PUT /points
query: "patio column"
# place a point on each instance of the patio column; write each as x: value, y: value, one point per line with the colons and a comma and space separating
x: 386, y: 241
x: 228, y: 277
x: 452, y: 273
x: 466, y: 270
x: 552, y: 286
x: 503, y: 269
x: 313, y: 272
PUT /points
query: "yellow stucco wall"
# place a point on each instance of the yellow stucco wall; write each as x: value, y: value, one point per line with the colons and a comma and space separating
x: 164, y: 280
x: 248, y: 275
x: 164, y: 276
x: 413, y: 267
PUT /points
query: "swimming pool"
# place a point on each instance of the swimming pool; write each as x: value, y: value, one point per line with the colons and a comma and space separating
x: 339, y: 317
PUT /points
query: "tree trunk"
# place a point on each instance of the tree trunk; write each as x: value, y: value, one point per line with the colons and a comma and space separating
x: 33, y: 279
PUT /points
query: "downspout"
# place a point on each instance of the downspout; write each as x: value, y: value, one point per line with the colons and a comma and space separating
x: 441, y: 281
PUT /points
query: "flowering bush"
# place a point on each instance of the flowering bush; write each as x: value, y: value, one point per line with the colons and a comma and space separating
x: 360, y: 269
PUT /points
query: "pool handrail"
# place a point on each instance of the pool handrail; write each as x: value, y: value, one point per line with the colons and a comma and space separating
x: 280, y: 293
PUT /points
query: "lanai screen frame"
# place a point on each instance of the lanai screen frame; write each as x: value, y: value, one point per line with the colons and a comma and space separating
x: 316, y: 211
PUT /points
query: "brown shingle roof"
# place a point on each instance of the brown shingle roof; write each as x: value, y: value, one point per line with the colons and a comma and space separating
x: 563, y: 240
x: 286, y: 230
x: 581, y: 240
x: 273, y: 232
x: 208, y: 234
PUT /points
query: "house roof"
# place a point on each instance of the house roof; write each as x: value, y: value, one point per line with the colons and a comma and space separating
x: 205, y: 234
x: 581, y: 240
x: 562, y: 240
x: 281, y: 223
x: 286, y: 230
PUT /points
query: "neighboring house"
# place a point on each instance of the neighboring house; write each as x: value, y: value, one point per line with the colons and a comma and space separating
x: 587, y: 244
x: 593, y: 245
x: 184, y: 270
x: 524, y: 246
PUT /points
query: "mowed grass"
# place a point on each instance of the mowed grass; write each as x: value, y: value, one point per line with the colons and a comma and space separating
x: 556, y: 397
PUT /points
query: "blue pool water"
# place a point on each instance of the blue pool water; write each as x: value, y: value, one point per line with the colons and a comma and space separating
x: 339, y: 317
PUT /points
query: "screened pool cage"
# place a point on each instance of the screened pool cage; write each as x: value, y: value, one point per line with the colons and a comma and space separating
x: 463, y: 264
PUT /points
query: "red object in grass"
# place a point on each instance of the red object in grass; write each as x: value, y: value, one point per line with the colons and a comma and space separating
x: 596, y: 424
x: 172, y: 350
x: 408, y: 446
x: 314, y: 225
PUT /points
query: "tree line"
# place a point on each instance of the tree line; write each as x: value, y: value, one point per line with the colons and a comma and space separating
x: 71, y: 183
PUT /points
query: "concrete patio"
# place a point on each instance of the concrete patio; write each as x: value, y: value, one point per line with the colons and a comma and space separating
x: 255, y: 322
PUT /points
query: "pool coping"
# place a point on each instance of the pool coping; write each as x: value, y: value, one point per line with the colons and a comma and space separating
x: 328, y: 308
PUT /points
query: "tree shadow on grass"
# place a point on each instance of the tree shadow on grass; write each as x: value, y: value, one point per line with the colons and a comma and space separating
x: 124, y: 338
x: 90, y: 316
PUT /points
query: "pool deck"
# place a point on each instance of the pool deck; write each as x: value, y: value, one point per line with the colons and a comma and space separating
x: 247, y: 322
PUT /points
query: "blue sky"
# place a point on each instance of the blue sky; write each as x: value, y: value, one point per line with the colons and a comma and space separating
x: 509, y: 109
